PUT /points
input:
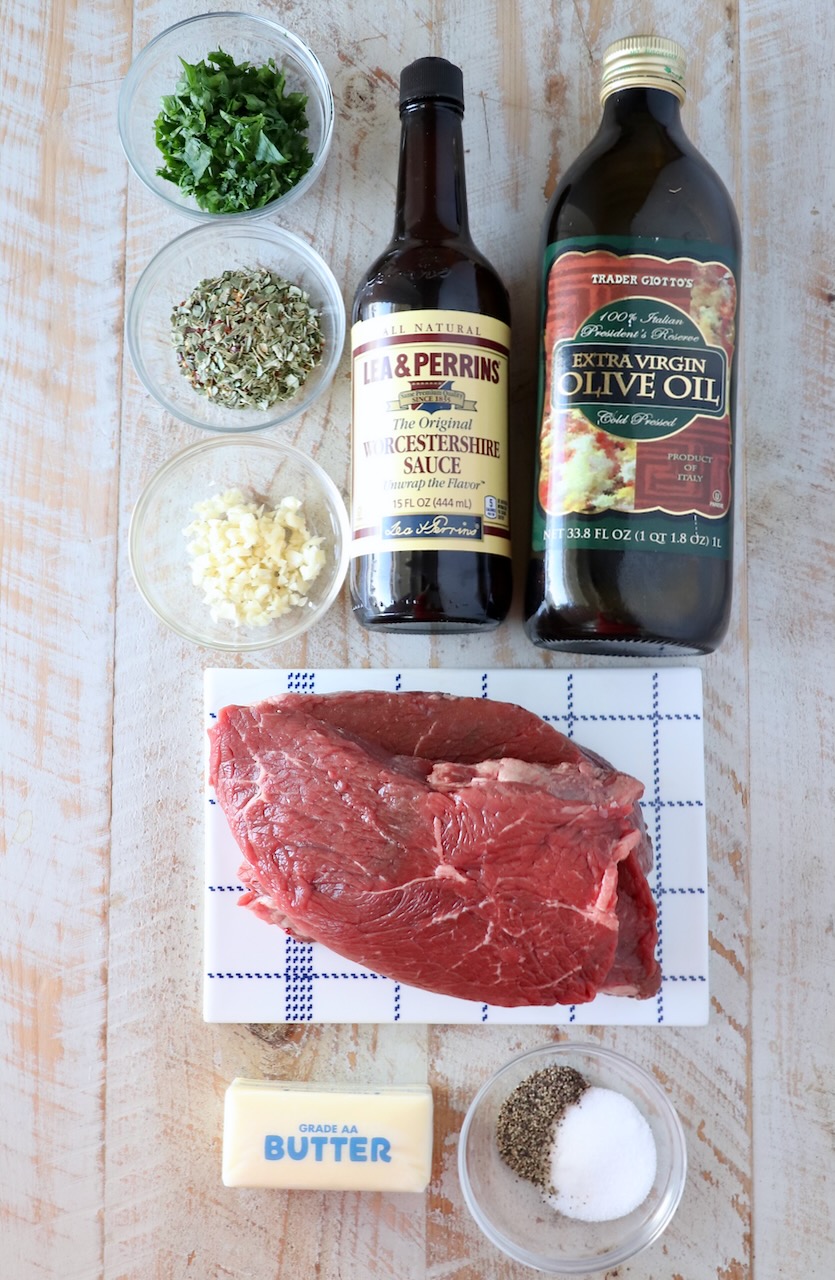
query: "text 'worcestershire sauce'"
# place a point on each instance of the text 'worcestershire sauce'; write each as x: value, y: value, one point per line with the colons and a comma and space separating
x: 430, y: 345
x: 633, y: 509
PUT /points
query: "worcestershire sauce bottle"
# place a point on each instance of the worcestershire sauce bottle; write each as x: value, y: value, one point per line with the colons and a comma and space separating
x: 430, y: 340
x: 633, y: 511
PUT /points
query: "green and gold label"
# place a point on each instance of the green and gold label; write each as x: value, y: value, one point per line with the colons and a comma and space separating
x: 635, y: 434
x: 430, y: 468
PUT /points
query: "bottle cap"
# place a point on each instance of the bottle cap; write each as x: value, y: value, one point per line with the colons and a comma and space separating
x: 431, y: 78
x: 649, y: 62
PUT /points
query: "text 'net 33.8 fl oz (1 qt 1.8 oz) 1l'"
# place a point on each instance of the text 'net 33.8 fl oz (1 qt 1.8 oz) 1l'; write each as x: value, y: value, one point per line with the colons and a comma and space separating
x: 430, y: 346
x: 633, y: 508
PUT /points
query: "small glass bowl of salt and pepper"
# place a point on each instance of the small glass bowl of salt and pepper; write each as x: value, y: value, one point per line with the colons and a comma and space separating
x: 572, y: 1159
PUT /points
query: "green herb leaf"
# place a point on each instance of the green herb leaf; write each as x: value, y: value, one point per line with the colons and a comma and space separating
x: 266, y: 150
x: 231, y: 136
x: 197, y: 156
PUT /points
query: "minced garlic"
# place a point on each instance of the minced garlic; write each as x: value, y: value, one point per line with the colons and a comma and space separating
x: 253, y: 563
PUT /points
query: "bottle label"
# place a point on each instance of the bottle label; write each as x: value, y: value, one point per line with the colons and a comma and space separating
x: 430, y: 466
x: 636, y: 441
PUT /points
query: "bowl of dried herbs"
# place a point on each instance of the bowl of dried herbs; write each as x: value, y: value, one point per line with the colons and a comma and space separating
x: 226, y: 114
x: 236, y: 326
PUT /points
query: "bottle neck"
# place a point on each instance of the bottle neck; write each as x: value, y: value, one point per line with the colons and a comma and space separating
x: 642, y: 107
x: 431, y: 189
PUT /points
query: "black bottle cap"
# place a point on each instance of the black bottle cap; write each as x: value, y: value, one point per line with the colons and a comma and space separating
x: 431, y: 78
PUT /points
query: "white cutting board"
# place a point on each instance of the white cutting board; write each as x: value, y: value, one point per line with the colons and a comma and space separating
x: 645, y: 722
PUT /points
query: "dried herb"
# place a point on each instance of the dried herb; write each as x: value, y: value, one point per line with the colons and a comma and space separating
x: 231, y: 136
x: 529, y: 1116
x: 247, y: 339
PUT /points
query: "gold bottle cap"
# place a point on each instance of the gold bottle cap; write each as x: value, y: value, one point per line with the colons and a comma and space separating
x: 643, y: 62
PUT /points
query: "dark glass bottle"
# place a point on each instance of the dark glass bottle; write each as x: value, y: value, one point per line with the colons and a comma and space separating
x: 430, y: 337
x: 632, y: 545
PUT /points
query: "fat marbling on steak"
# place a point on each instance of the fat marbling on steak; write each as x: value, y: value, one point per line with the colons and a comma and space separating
x: 455, y: 844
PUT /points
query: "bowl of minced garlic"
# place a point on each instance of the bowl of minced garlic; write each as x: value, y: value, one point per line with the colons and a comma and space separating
x: 239, y: 544
x: 572, y: 1159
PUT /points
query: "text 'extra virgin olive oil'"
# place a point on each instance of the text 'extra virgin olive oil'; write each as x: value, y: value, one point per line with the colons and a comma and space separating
x: 633, y: 509
x: 430, y: 344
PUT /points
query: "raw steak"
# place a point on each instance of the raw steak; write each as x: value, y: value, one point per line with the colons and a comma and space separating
x: 492, y: 879
x: 440, y: 727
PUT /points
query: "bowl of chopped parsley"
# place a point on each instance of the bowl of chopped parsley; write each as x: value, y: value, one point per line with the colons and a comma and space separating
x: 226, y: 115
x: 236, y: 326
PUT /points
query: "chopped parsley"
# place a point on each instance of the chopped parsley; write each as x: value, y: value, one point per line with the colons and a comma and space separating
x: 231, y: 136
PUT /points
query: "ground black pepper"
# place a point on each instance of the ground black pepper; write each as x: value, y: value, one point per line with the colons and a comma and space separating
x: 529, y: 1116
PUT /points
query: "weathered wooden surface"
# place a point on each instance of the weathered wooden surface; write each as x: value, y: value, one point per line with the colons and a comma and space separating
x: 112, y: 1085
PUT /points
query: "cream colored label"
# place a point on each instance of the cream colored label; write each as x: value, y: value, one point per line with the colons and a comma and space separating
x: 326, y: 1139
x: 430, y: 468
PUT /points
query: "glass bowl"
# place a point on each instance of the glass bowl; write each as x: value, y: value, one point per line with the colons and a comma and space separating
x: 264, y: 470
x: 154, y: 74
x: 205, y: 253
x: 512, y: 1212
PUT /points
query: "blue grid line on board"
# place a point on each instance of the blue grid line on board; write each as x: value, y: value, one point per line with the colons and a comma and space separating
x: 290, y: 994
x: 282, y: 975
x: 622, y: 716
x: 301, y: 681
x: 297, y: 975
x: 569, y: 718
x: 484, y: 684
x: 298, y: 995
x: 398, y: 682
x: 672, y: 804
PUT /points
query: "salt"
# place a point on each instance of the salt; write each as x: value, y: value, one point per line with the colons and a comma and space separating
x: 602, y: 1160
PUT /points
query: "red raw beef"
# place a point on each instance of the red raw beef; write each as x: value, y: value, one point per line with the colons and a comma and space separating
x: 482, y: 875
x: 439, y: 727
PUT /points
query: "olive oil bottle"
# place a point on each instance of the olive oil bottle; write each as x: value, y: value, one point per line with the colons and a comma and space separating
x: 633, y: 508
x: 430, y: 343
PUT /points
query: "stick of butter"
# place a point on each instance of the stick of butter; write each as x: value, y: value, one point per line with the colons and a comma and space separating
x: 326, y: 1138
